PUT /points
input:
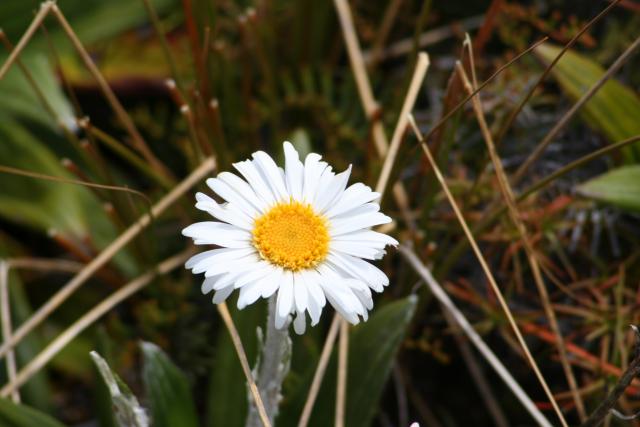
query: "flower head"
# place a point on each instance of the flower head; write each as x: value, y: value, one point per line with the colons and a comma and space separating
x: 298, y: 231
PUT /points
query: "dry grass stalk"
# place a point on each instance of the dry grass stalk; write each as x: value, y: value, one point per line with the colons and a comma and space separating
x: 244, y: 362
x: 477, y: 341
x: 483, y: 263
x: 319, y: 374
x: 343, y: 358
x: 420, y: 71
x: 5, y: 314
x: 98, y: 262
x: 560, y: 124
x: 509, y: 200
x: 369, y: 104
x: 42, y: 358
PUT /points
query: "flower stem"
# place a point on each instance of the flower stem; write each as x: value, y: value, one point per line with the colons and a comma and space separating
x: 272, y: 368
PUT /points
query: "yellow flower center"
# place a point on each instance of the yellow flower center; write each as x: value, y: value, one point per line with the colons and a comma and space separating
x: 292, y: 236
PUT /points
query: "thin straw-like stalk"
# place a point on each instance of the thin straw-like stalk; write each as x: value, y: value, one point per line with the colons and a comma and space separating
x: 409, y: 101
x: 389, y: 17
x: 98, y: 262
x: 509, y: 199
x: 113, y: 101
x: 35, y: 23
x: 369, y: 104
x: 341, y: 390
x: 50, y: 351
x: 540, y: 148
x: 462, y: 103
x: 45, y: 264
x: 5, y: 315
x: 244, y: 362
x: 320, y: 370
x: 483, y: 263
x: 545, y: 73
x: 477, y: 341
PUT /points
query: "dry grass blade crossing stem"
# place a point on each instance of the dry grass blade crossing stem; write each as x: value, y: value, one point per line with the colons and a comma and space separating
x: 485, y: 267
x: 535, y: 155
x: 371, y: 107
x: 477, y: 341
x: 343, y: 358
x: 41, y: 314
x: 529, y: 94
x: 509, y: 200
x: 89, y: 318
x: 35, y: 23
x: 320, y: 370
x: 420, y: 71
x: 244, y: 362
x: 5, y: 312
x: 119, y: 110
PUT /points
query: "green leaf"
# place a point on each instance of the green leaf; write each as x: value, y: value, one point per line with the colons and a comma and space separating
x: 613, y: 110
x: 167, y: 389
x: 92, y: 20
x: 24, y: 99
x: 12, y: 415
x: 372, y: 349
x: 619, y: 187
x: 126, y: 408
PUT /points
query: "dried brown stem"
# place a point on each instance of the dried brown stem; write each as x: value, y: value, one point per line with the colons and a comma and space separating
x: 483, y: 262
x: 509, y: 199
x: 98, y: 262
x: 42, y: 358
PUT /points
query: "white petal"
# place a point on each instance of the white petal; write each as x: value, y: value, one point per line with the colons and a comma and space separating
x: 249, y: 294
x: 354, y: 196
x: 339, y: 295
x: 327, y: 196
x: 232, y: 195
x: 294, y: 171
x: 246, y: 263
x: 229, y: 213
x: 271, y: 283
x: 207, y: 284
x: 361, y: 269
x: 323, y: 184
x: 313, y: 169
x: 347, y: 225
x: 200, y: 262
x: 284, y: 303
x: 249, y: 171
x: 255, y: 275
x: 373, y: 238
x: 244, y: 189
x: 300, y: 293
x: 363, y: 209
x: 221, y: 295
x: 218, y: 233
x: 356, y: 249
x: 269, y: 170
x: 299, y: 324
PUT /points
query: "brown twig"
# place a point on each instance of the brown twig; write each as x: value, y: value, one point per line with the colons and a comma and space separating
x: 244, y: 362
x: 42, y: 358
x: 535, y: 155
x: 341, y: 389
x: 123, y: 239
x: 481, y: 259
x: 606, y: 406
x: 512, y: 209
x: 320, y: 370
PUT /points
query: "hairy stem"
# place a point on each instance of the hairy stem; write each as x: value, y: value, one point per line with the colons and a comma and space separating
x: 272, y: 368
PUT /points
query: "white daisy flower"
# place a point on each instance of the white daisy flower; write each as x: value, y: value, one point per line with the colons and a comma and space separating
x: 300, y: 232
